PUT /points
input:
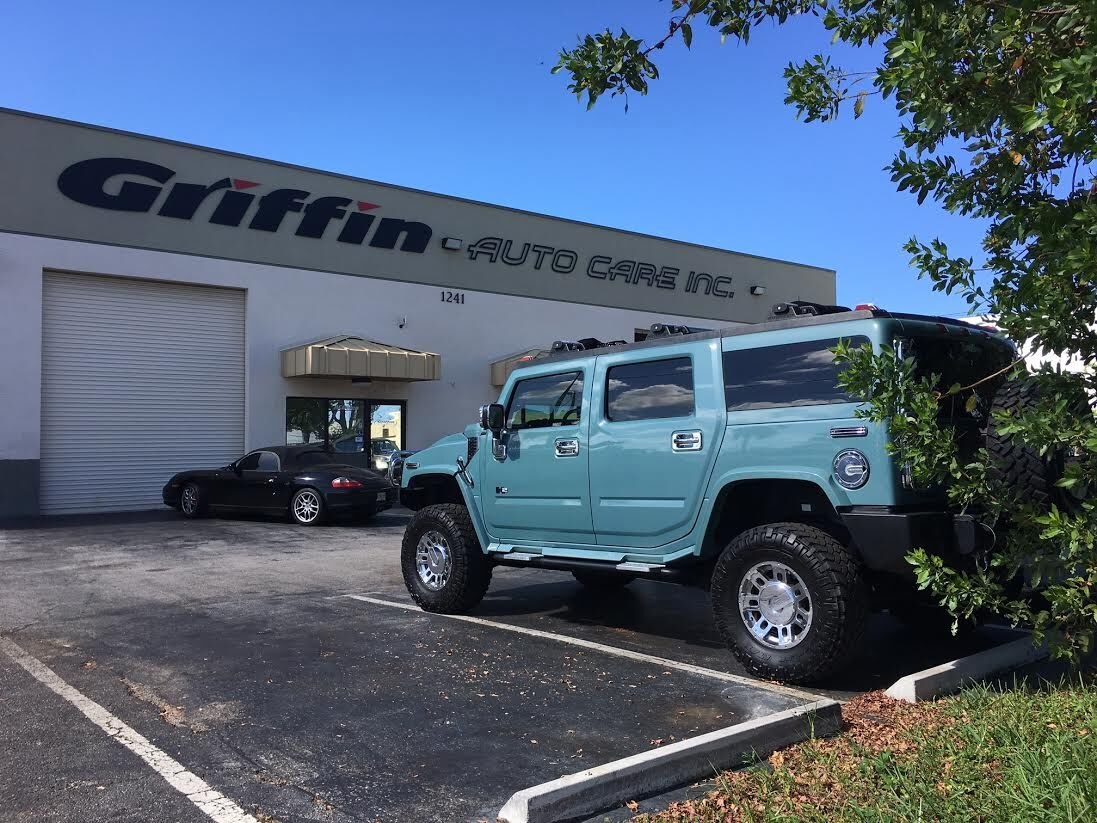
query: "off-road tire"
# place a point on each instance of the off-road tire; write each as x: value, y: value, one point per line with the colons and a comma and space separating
x: 1020, y: 467
x: 321, y: 514
x: 470, y: 574
x: 834, y: 581
x: 202, y: 507
x: 603, y: 581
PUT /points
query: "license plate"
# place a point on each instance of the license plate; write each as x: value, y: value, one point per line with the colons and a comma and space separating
x: 382, y: 497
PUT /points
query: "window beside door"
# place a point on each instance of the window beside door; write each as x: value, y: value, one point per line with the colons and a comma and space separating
x: 347, y: 426
x: 650, y: 390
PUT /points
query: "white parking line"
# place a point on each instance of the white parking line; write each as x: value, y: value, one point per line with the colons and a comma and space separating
x: 689, y: 668
x: 212, y: 803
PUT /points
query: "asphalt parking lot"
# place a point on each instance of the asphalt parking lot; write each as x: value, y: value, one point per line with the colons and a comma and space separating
x: 281, y: 672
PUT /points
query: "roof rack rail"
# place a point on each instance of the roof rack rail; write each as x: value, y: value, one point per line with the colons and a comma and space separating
x: 584, y: 344
x: 669, y: 329
x: 805, y: 308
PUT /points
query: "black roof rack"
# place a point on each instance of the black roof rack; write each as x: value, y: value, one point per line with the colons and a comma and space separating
x: 805, y: 308
x: 589, y: 343
x: 822, y: 315
x: 583, y: 344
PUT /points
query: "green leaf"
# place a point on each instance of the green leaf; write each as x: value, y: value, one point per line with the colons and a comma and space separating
x: 971, y: 403
x: 687, y: 34
x: 1033, y: 122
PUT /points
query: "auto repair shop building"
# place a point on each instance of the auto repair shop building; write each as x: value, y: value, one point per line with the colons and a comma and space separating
x: 165, y: 306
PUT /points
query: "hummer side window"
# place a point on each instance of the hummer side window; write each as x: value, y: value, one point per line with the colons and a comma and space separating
x: 549, y: 400
x: 793, y: 374
x: 650, y: 390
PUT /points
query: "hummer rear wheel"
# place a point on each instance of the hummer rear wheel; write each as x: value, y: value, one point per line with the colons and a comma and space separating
x: 790, y: 601
x: 444, y: 568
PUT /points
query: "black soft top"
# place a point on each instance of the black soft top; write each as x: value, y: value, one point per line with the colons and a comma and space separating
x: 290, y: 455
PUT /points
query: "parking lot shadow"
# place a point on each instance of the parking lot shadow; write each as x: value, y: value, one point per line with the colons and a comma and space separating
x: 676, y: 622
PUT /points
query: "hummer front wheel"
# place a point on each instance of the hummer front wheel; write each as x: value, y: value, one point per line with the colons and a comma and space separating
x: 790, y: 601
x: 444, y: 568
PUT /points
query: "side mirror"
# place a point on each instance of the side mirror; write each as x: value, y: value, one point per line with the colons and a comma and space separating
x: 492, y: 418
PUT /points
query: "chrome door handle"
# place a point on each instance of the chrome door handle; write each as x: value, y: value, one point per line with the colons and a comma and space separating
x: 686, y: 441
x: 567, y: 447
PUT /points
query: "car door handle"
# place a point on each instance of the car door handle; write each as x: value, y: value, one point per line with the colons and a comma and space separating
x: 567, y: 447
x: 686, y: 441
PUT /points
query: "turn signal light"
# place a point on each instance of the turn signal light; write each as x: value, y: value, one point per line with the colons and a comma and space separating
x: 345, y: 483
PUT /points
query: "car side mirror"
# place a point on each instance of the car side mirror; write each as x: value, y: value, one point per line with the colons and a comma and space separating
x: 493, y: 418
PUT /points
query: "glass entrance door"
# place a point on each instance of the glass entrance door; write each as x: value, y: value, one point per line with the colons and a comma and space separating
x: 386, y: 429
x: 361, y: 432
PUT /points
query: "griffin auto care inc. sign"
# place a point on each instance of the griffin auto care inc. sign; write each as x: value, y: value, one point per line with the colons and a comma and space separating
x: 79, y: 182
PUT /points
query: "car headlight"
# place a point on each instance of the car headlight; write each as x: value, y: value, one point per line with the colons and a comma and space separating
x: 851, y: 469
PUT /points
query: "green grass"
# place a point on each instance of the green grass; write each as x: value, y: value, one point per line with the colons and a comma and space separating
x: 986, y: 755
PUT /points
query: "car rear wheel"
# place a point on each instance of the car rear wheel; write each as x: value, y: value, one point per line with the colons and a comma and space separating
x: 444, y: 568
x: 192, y: 500
x: 790, y: 601
x: 307, y: 507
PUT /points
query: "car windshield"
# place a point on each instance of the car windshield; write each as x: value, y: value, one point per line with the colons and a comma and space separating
x: 384, y: 446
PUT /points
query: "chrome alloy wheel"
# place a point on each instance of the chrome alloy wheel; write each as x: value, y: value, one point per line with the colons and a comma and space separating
x: 775, y: 605
x: 306, y: 506
x: 433, y: 561
x: 189, y: 503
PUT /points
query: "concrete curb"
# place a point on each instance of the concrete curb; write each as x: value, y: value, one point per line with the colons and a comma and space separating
x: 949, y: 677
x: 678, y: 764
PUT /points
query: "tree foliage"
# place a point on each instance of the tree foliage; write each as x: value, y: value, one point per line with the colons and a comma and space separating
x: 998, y: 121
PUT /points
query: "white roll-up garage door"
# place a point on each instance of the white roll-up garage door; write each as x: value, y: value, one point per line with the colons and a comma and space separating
x: 139, y: 380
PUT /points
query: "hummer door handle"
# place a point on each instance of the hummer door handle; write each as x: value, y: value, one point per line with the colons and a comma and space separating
x: 567, y: 447
x: 686, y: 441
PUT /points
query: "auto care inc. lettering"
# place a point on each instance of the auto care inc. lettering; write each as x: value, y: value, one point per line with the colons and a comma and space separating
x: 128, y: 185
x: 87, y: 182
x: 599, y: 267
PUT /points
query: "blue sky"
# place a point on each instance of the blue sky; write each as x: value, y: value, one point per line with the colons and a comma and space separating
x: 457, y: 98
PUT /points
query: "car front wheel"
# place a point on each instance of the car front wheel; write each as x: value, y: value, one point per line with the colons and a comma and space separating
x: 790, y: 601
x: 192, y: 500
x: 444, y: 568
x: 307, y: 507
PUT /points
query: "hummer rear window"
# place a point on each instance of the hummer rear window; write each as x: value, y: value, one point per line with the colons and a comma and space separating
x: 792, y: 374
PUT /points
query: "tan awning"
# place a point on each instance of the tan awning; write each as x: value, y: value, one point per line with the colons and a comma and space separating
x: 356, y: 357
x: 501, y: 369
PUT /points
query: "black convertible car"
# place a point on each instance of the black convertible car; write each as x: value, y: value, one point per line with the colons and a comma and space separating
x: 306, y: 482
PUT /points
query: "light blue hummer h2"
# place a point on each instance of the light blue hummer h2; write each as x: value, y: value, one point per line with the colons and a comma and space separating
x: 729, y: 459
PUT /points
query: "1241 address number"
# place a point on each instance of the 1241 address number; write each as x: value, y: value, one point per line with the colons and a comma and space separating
x: 453, y: 297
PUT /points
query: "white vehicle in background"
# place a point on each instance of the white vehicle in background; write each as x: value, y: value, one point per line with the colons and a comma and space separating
x: 381, y: 449
x: 1034, y: 358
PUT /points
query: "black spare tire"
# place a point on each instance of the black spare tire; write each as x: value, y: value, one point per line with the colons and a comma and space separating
x: 1019, y: 466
